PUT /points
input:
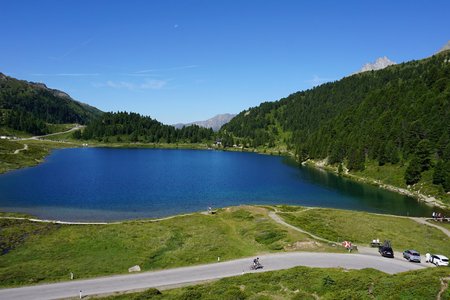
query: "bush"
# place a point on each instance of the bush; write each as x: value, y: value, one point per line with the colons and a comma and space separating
x: 148, y: 294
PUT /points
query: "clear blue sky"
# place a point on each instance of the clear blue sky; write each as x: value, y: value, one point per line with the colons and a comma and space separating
x: 181, y: 61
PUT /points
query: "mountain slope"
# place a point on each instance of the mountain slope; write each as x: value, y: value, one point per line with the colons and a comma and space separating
x: 398, y: 115
x: 28, y: 106
x: 215, y: 122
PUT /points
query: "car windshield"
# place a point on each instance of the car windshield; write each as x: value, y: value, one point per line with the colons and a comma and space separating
x: 415, y: 254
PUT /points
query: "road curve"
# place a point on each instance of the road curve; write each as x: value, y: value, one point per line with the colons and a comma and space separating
x: 195, y: 274
x: 77, y: 127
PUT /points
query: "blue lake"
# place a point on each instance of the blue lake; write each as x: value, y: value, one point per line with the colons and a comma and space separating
x: 100, y: 184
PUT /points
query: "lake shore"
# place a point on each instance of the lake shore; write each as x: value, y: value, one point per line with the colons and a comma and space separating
x: 429, y: 200
x: 38, y: 156
x: 90, y: 250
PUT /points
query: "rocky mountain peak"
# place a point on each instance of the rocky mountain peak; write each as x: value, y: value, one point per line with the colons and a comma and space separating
x: 445, y: 47
x: 380, y: 63
x: 215, y: 122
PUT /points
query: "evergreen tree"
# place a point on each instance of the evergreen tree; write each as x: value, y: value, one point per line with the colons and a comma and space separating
x: 356, y: 160
x: 446, y: 183
x: 439, y: 173
x: 423, y: 154
x: 77, y: 134
x: 413, y: 171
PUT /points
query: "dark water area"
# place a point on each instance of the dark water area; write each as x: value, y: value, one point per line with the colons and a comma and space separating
x: 101, y: 184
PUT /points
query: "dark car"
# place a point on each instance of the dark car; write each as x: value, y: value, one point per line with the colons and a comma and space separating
x: 411, y: 255
x: 386, y: 250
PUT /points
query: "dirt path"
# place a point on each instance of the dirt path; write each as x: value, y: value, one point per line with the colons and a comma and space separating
x: 57, y: 222
x: 361, y: 249
x: 279, y: 220
x: 424, y: 221
x: 444, y: 287
x: 25, y: 147
x: 92, y: 223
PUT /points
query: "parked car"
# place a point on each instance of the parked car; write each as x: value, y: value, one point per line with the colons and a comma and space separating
x: 411, y: 255
x: 439, y: 260
x: 386, y: 250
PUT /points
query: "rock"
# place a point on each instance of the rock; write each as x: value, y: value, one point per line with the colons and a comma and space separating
x: 135, y: 268
x: 379, y: 64
x: 445, y: 47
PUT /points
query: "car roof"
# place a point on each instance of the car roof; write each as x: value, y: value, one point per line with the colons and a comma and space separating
x: 413, y: 252
x: 440, y: 256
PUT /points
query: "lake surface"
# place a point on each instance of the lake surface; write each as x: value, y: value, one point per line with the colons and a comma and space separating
x: 100, y: 184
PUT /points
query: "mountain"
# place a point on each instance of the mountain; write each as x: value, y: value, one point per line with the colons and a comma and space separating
x: 445, y: 47
x: 28, y: 106
x: 397, y: 115
x: 215, y: 122
x: 379, y: 64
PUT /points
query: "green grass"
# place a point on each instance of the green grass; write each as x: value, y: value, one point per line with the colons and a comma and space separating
x: 15, y: 233
x: 388, y: 174
x: 37, y: 151
x: 11, y: 132
x: 442, y: 224
x: 53, y: 128
x: 51, y: 252
x: 394, y: 175
x: 310, y: 283
x: 361, y: 228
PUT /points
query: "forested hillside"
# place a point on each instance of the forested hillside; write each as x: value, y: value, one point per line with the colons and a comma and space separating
x: 27, y: 106
x: 132, y: 127
x: 398, y: 115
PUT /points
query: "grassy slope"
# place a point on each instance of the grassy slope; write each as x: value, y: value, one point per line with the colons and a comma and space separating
x: 394, y: 175
x: 93, y: 250
x: 361, y: 228
x: 37, y: 151
x: 309, y: 283
x: 442, y: 224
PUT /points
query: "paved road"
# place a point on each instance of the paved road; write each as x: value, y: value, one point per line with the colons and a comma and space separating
x: 191, y: 275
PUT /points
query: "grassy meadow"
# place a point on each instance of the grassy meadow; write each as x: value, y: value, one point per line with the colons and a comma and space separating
x: 36, y: 153
x: 311, y: 283
x: 361, y: 228
x: 39, y: 252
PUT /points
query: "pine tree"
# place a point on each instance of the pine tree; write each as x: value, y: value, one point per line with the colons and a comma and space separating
x: 413, y: 171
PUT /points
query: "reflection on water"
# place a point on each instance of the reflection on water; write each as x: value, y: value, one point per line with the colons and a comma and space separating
x: 112, y: 184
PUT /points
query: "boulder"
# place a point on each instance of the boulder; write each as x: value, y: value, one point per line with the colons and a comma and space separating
x: 135, y: 268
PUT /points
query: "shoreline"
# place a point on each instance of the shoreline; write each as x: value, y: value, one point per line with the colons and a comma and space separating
x: 430, y: 201
x: 272, y: 207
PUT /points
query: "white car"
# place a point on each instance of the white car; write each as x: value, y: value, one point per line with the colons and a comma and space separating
x: 439, y: 260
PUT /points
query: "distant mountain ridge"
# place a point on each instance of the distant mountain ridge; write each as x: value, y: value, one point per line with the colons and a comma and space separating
x: 379, y: 64
x: 215, y: 123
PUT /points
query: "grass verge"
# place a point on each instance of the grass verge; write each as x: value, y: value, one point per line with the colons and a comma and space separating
x: 361, y: 228
x: 311, y: 283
